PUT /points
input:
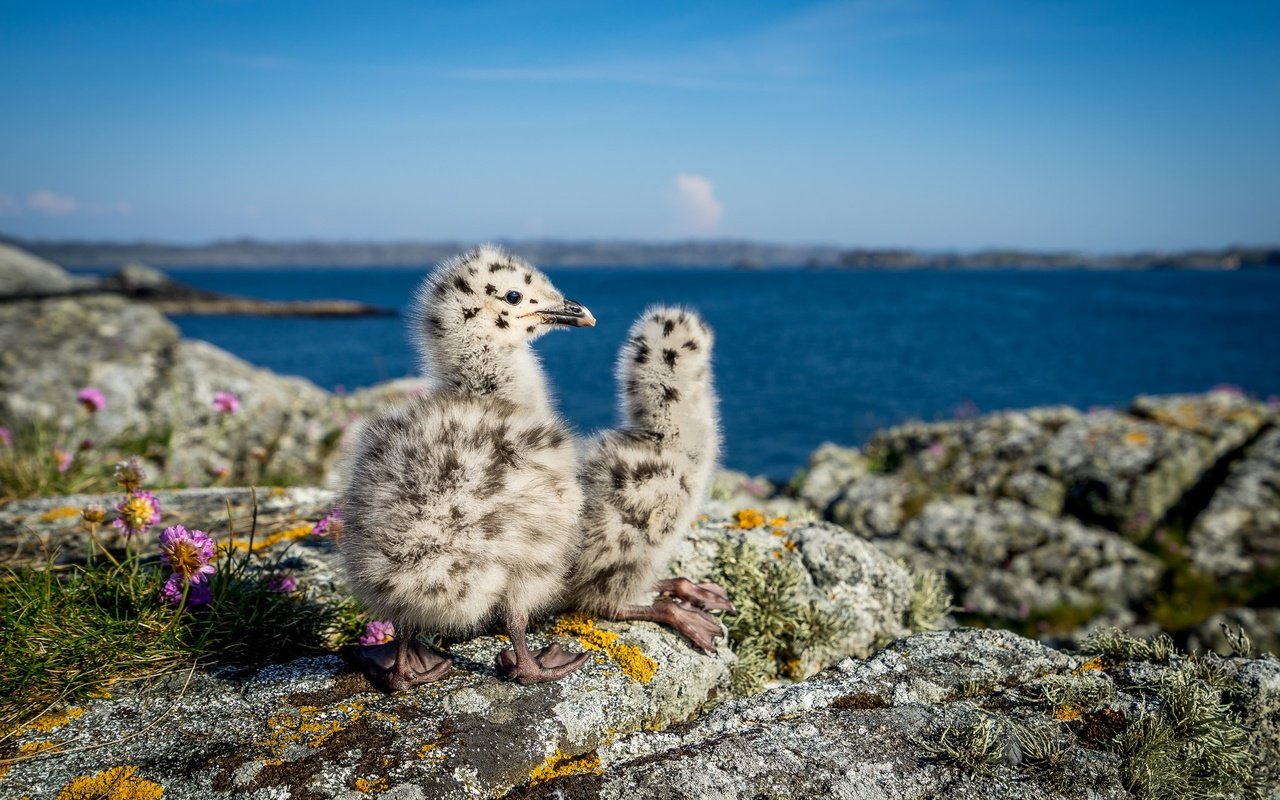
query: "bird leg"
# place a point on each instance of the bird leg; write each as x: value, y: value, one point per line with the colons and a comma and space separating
x: 706, y: 596
x: 699, y: 627
x: 548, y: 664
x: 402, y: 664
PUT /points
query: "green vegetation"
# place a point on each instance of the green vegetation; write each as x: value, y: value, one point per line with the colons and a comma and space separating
x: 72, y: 631
x: 1118, y: 646
x: 930, y: 600
x: 774, y: 626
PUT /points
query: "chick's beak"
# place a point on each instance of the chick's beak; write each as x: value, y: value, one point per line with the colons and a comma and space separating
x: 571, y: 312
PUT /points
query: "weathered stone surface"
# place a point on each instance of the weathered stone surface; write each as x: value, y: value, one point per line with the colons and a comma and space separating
x: 1261, y: 625
x: 1010, y: 562
x: 875, y: 506
x: 315, y: 728
x: 866, y: 591
x: 23, y: 273
x: 831, y: 470
x: 874, y: 729
x: 1239, y: 532
x: 732, y: 491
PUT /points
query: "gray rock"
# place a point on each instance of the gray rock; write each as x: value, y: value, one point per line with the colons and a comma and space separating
x: 1239, y: 532
x: 876, y: 506
x: 732, y: 491
x: 23, y: 273
x: 1260, y: 625
x: 963, y: 713
x: 1012, y: 563
x: 831, y: 469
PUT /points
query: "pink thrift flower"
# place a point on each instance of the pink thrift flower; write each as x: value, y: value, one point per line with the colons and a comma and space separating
x: 136, y: 513
x: 284, y: 584
x: 937, y: 450
x: 6, y: 438
x: 330, y: 523
x: 380, y: 631
x: 62, y: 459
x: 129, y: 474
x: 92, y: 399
x: 198, y: 594
x: 219, y: 472
x: 226, y: 403
x: 189, y: 553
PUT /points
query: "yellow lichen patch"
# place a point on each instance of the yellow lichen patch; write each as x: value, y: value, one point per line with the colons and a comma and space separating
x: 26, y: 750
x: 778, y: 521
x: 789, y: 544
x: 778, y: 532
x: 1183, y: 415
x: 61, y: 512
x: 276, y: 491
x: 49, y: 722
x: 117, y: 783
x: 1136, y: 438
x: 559, y: 765
x: 1092, y: 665
x: 311, y: 727
x: 748, y: 518
x: 629, y: 658
x: 371, y: 786
x: 289, y: 534
x: 1068, y: 713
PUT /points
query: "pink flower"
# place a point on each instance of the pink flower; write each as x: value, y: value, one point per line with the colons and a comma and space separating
x: 92, y: 399
x: 284, y: 584
x: 6, y: 438
x: 62, y: 459
x: 197, y: 594
x: 137, y: 512
x: 330, y: 523
x: 189, y: 553
x: 380, y: 631
x: 937, y: 450
x: 86, y: 444
x: 130, y: 474
x: 226, y: 403
x: 219, y: 472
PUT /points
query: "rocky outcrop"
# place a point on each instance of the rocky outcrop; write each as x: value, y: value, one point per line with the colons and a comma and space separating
x: 1238, y: 533
x: 967, y: 713
x: 22, y: 273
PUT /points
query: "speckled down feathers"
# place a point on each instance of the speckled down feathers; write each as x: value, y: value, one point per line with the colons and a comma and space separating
x: 459, y: 507
x: 643, y: 482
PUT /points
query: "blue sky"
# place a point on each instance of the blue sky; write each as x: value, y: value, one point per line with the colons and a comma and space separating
x: 1086, y: 125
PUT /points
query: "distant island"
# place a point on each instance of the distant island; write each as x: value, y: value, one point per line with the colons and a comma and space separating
x: 740, y: 254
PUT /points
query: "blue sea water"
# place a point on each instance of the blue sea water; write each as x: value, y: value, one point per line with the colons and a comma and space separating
x: 805, y: 357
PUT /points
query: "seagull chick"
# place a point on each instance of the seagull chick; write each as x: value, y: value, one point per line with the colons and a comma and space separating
x: 644, y: 481
x: 462, y: 507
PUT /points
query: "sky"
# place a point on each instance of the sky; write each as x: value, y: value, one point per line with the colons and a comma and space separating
x: 934, y: 124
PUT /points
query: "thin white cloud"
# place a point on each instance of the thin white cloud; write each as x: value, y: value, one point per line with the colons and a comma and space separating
x: 700, y: 210
x: 52, y: 204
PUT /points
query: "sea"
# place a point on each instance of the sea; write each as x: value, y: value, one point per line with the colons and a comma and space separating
x: 804, y: 357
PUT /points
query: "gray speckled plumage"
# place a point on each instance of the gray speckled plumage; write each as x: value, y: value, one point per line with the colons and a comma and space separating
x: 462, y: 504
x: 644, y: 481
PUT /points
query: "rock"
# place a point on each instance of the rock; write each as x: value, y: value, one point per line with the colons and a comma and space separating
x: 22, y: 273
x: 1226, y: 417
x: 965, y: 713
x: 875, y: 506
x: 159, y: 391
x: 831, y: 469
x: 1014, y: 564
x: 1260, y: 625
x: 138, y: 277
x: 732, y: 491
x: 1238, y: 533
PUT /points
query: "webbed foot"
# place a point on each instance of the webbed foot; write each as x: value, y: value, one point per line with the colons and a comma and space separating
x: 402, y: 664
x: 550, y: 663
x: 699, y: 627
x: 706, y: 596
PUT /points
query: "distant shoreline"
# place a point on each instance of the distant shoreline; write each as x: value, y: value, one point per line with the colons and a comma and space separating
x: 249, y: 253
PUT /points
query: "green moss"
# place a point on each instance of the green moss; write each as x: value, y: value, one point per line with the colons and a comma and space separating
x: 775, y: 625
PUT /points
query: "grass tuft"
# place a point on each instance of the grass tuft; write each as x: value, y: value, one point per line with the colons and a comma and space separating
x: 930, y: 600
x: 1119, y: 646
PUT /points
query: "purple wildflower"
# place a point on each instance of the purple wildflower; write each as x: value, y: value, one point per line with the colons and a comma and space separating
x: 62, y: 459
x: 92, y: 399
x: 380, y: 631
x: 6, y: 438
x: 189, y: 553
x: 226, y: 403
x: 937, y: 450
x: 284, y: 584
x: 136, y: 513
x: 198, y: 594
x: 330, y: 523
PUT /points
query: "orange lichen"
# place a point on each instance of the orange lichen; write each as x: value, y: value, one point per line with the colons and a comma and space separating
x: 748, y: 518
x: 289, y: 534
x: 311, y: 727
x: 367, y: 786
x: 117, y: 783
x: 778, y: 521
x: 558, y: 764
x: 61, y: 512
x: 1068, y: 713
x: 49, y: 722
x: 1136, y: 438
x: 1092, y: 665
x: 629, y: 658
x: 789, y: 544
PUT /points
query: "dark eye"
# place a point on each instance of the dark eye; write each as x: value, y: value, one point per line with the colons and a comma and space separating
x: 513, y: 297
